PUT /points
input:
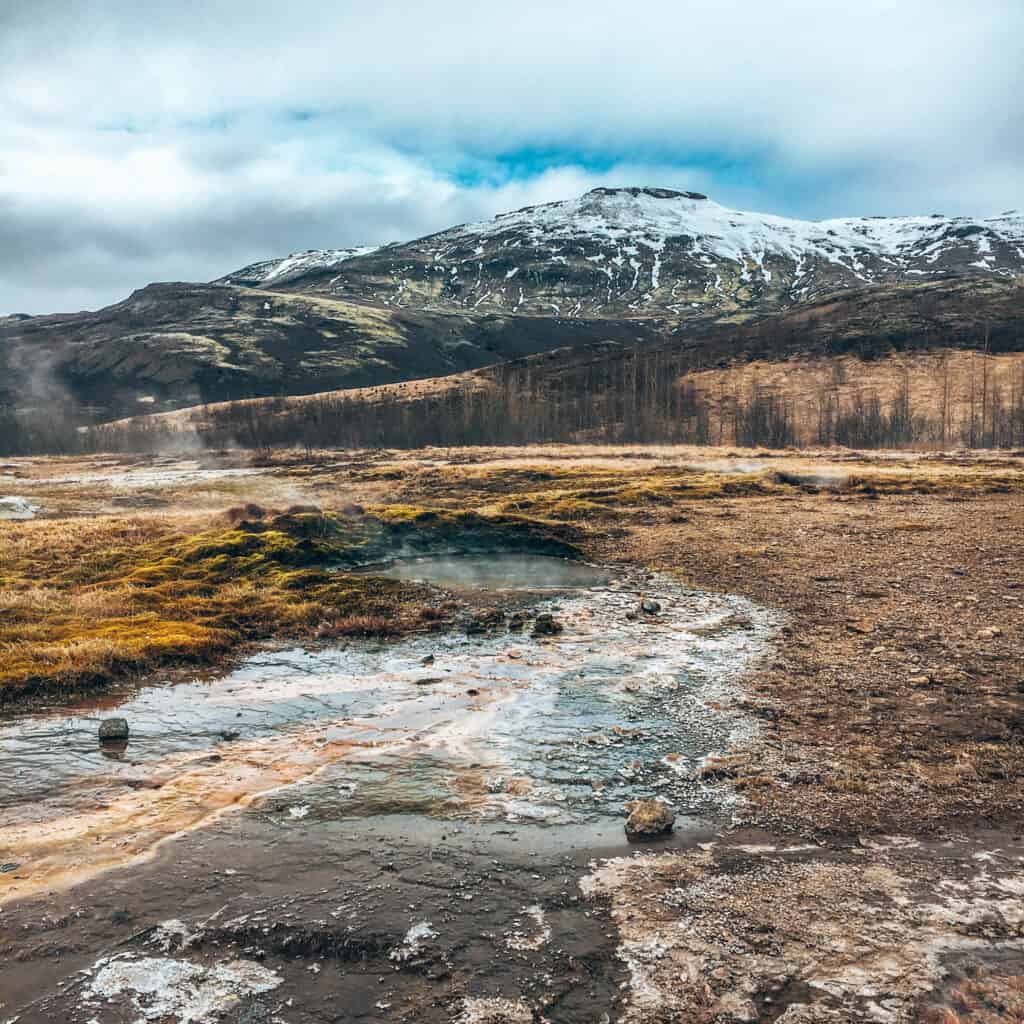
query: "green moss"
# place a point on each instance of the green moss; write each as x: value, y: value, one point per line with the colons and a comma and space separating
x: 138, y: 601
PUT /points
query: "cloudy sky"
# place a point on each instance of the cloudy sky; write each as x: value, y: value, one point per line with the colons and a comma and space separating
x: 180, y: 140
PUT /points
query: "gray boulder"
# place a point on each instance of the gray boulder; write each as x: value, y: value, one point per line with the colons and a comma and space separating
x: 113, y: 730
x: 546, y: 625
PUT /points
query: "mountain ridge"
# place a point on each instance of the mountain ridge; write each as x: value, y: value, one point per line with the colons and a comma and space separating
x: 651, y: 251
x: 614, y: 265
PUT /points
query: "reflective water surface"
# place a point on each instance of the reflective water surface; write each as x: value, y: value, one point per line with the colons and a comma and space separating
x: 494, y: 727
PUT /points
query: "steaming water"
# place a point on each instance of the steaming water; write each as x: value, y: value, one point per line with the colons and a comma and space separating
x: 500, y: 726
x: 495, y: 572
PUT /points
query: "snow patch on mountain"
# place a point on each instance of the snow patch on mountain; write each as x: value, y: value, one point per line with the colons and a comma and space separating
x: 297, y: 264
x: 652, y: 217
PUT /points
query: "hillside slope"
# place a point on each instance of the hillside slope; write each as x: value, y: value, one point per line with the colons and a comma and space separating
x: 938, y: 363
x: 174, y: 345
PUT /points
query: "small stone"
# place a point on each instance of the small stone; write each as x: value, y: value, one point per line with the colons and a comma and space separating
x: 650, y: 606
x: 516, y: 621
x: 113, y: 730
x: 483, y: 621
x: 648, y: 818
x: 428, y: 660
x: 546, y: 625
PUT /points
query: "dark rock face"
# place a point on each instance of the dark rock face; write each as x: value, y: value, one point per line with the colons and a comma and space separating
x: 113, y: 730
x: 655, y: 193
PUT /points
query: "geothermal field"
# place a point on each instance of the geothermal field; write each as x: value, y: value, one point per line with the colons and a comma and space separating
x: 552, y: 733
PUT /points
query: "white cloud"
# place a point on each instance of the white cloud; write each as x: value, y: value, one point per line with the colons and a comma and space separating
x: 178, y: 141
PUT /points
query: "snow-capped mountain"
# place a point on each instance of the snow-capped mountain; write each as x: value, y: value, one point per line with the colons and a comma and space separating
x: 653, y: 251
x: 268, y: 273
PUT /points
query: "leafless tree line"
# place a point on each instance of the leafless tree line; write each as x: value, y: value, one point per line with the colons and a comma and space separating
x: 643, y: 397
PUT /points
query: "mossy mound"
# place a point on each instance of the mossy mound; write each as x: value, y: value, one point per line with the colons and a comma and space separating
x: 413, y: 529
x: 123, y: 596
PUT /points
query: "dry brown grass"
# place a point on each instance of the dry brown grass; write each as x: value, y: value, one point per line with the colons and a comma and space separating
x: 84, y: 602
x: 985, y: 998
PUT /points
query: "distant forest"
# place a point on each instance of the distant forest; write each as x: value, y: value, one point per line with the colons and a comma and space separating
x: 640, y: 397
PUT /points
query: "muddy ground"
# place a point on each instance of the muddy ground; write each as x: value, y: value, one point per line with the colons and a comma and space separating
x: 864, y: 862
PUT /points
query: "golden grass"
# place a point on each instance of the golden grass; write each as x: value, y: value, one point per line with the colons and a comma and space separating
x: 601, y: 495
x: 84, y: 602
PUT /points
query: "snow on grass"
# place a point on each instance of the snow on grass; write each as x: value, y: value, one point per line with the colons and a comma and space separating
x: 15, y: 507
x: 412, y: 944
x: 278, y: 271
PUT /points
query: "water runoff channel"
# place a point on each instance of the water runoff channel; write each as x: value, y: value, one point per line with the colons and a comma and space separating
x: 387, y: 828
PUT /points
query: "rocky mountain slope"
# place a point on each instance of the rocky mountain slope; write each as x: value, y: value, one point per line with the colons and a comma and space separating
x: 614, y: 267
x: 174, y: 345
x: 638, y: 252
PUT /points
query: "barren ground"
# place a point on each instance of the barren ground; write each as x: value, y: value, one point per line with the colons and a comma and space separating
x: 870, y: 868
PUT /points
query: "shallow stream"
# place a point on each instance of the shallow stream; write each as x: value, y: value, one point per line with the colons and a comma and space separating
x: 500, y: 734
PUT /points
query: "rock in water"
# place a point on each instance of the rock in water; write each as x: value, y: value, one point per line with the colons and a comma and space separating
x: 546, y: 625
x: 648, y: 818
x: 484, y: 621
x: 113, y: 730
x: 650, y: 606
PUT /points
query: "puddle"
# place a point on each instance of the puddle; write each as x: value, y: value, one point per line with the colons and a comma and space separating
x: 139, y: 479
x: 494, y: 572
